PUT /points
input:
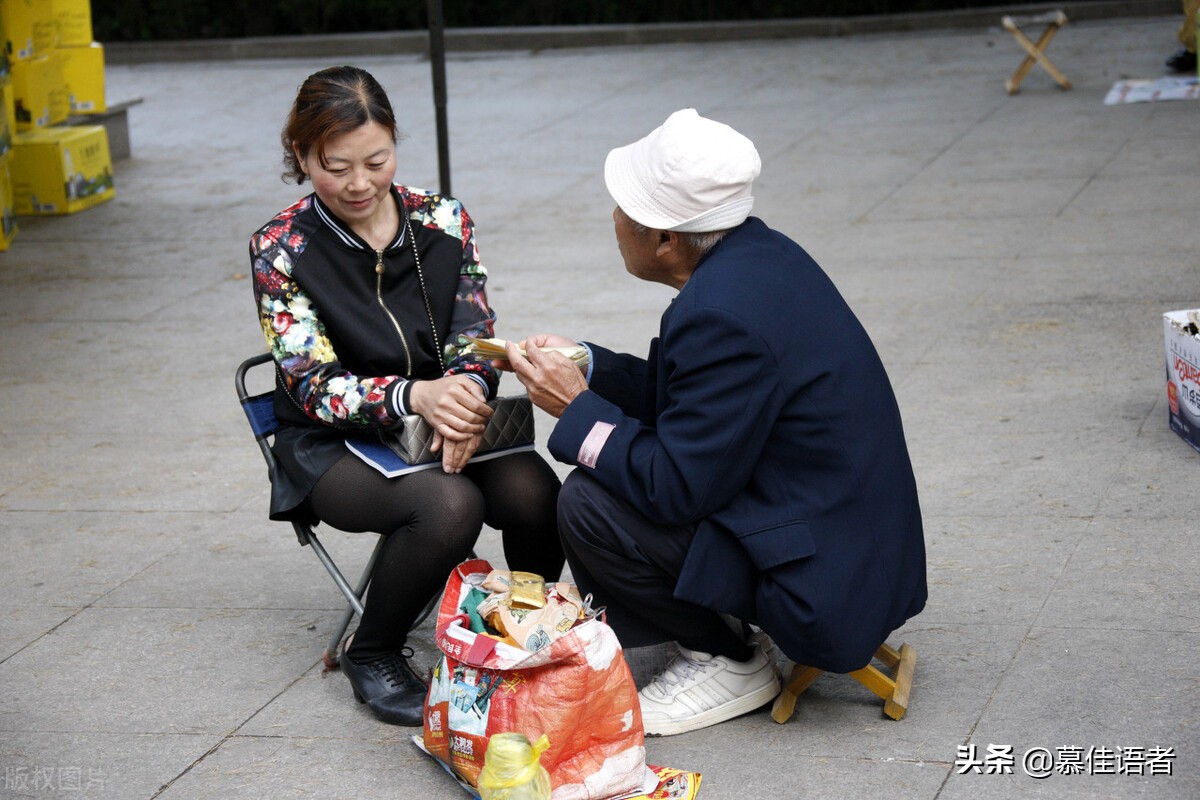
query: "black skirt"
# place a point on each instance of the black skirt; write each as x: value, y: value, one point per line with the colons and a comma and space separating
x: 302, y: 456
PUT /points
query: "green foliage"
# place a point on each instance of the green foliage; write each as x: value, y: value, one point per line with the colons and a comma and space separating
x: 134, y: 20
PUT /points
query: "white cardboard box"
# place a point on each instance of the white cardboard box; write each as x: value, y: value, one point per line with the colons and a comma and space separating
x: 1183, y: 373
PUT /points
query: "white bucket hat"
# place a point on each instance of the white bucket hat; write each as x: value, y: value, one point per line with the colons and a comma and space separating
x: 691, y: 174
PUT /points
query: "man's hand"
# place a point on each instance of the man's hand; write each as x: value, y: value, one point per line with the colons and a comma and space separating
x: 537, y: 340
x: 551, y: 379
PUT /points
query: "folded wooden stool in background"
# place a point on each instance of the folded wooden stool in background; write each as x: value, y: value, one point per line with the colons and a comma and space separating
x: 1036, y: 52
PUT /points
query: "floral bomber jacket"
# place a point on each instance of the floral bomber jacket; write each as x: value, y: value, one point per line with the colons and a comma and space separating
x: 349, y: 327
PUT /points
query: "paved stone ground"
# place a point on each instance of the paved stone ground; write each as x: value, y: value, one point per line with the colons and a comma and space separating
x: 1011, y: 257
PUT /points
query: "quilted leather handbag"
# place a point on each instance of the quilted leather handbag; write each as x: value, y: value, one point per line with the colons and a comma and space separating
x: 509, y: 428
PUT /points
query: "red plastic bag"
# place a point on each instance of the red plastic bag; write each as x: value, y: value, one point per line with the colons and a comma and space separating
x: 577, y: 690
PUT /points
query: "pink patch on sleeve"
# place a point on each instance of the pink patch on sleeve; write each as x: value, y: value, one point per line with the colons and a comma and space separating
x: 589, y: 451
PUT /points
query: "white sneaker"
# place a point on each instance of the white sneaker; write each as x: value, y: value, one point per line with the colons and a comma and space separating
x: 697, y: 690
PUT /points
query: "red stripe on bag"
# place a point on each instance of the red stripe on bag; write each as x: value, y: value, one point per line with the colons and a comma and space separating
x: 480, y: 649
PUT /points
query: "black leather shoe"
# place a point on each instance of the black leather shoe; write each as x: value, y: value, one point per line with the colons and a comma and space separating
x: 1182, y: 61
x: 389, y: 687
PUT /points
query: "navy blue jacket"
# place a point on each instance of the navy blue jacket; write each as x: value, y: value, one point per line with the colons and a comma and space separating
x: 763, y: 416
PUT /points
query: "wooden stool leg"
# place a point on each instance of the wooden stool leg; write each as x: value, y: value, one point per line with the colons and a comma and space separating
x: 897, y: 704
x: 1013, y: 84
x: 893, y: 689
x: 1035, y: 52
x: 785, y: 704
x: 889, y: 655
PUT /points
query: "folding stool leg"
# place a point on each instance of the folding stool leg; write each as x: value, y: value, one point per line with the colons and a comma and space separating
x: 1036, y: 52
x: 785, y: 704
x: 894, y: 689
x: 353, y: 595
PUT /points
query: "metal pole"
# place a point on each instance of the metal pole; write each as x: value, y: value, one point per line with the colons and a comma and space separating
x: 437, y: 61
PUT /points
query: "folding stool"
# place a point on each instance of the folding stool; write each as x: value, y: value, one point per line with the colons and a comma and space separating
x: 260, y: 413
x: 894, y: 688
x: 1036, y: 52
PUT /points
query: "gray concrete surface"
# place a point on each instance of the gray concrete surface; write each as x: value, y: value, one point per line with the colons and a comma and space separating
x: 1011, y: 256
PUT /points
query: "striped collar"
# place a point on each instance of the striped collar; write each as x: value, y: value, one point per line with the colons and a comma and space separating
x: 349, y: 237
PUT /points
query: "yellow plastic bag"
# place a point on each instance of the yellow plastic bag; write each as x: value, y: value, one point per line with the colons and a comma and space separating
x: 512, y: 769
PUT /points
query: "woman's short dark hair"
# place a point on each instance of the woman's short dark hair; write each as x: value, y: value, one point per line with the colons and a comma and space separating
x: 329, y: 103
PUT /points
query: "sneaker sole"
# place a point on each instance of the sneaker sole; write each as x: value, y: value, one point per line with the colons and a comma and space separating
x: 734, y: 708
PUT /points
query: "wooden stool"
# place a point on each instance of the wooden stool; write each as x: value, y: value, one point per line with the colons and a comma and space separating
x: 1037, y: 52
x: 893, y: 689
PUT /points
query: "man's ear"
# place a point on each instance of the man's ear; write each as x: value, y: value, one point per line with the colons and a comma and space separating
x: 668, y: 242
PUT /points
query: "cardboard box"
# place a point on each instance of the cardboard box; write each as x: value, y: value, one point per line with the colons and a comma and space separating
x: 61, y: 170
x: 60, y: 98
x: 4, y: 69
x: 28, y: 26
x: 8, y: 115
x: 31, y: 94
x: 39, y: 92
x: 83, y: 76
x: 8, y: 215
x: 1182, y: 331
x: 73, y: 21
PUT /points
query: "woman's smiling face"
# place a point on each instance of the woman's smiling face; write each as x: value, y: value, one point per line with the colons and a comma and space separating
x: 355, y: 181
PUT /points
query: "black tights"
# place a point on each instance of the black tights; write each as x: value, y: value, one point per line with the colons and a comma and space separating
x: 432, y: 520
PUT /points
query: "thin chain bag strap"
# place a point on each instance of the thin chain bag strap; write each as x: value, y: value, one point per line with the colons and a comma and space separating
x: 510, y: 427
x: 437, y: 342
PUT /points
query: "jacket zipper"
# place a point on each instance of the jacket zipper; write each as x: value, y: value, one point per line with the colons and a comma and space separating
x: 386, y: 310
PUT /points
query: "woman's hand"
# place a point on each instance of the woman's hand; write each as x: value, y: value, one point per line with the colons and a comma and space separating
x: 455, y: 455
x: 456, y: 408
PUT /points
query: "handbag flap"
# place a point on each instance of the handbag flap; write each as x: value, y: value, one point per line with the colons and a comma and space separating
x: 510, y: 425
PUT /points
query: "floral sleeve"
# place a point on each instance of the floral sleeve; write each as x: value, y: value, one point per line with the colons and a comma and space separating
x: 314, y: 377
x: 472, y: 316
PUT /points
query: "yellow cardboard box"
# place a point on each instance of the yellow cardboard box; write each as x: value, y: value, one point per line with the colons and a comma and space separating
x: 60, y: 98
x: 83, y: 75
x: 8, y: 216
x: 8, y: 114
x: 39, y: 92
x: 3, y: 47
x: 73, y: 20
x: 61, y: 170
x: 28, y: 26
x: 45, y: 31
x: 31, y: 94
